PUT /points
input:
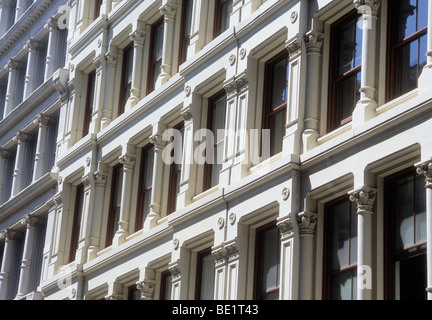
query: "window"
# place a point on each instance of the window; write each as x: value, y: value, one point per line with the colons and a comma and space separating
x: 341, y: 250
x: 216, y: 121
x: 3, y: 90
x: 134, y: 293
x: 223, y: 12
x: 20, y: 80
x: 407, y: 44
x: 11, y: 14
x: 406, y: 236
x: 41, y: 56
x: 97, y: 9
x: 275, y: 105
x: 61, y: 49
x: 175, y: 175
x: 166, y: 285
x: 88, y: 109
x: 156, y: 48
x: 8, y: 175
x: 145, y: 186
x: 115, y: 203
x: 2, y: 245
x: 76, y: 223
x: 267, y: 262
x: 29, y: 160
x: 51, y: 143
x: 205, y: 276
x: 345, y: 70
x: 126, y: 81
x: 186, y: 29
x: 15, y: 267
x: 37, y: 256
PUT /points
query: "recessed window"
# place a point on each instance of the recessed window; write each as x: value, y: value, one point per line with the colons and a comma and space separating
x: 267, y: 267
x: 89, y: 102
x: 145, y: 186
x: 3, y: 90
x: 223, y: 12
x: 345, y: 70
x: 20, y: 80
x: 76, y: 223
x: 156, y: 49
x: 38, y: 252
x: 276, y: 98
x: 8, y: 174
x: 408, y: 45
x: 61, y: 49
x: 166, y: 286
x: 205, y: 276
x: 216, y: 121
x: 29, y: 159
x: 126, y: 80
x: 175, y: 174
x: 406, y: 236
x: 41, y: 56
x: 115, y: 203
x: 341, y: 250
x: 186, y: 29
x: 51, y: 143
x: 15, y: 266
x: 97, y: 8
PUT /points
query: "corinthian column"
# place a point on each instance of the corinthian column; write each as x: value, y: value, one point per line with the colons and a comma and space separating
x: 31, y: 47
x: 425, y: 169
x: 367, y: 104
x: 365, y: 199
x: 52, y: 26
x: 12, y: 65
x: 42, y: 122
x: 138, y: 38
x: 19, y: 163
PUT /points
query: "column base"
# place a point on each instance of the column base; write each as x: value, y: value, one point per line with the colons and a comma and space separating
x: 310, y: 139
x: 151, y: 221
x: 364, y: 111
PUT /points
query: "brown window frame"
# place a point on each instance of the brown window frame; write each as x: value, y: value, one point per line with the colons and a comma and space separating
x: 282, y: 108
x: 115, y: 188
x: 125, y: 87
x: 208, y: 167
x: 333, y: 108
x: 198, y: 283
x: 258, y: 295
x: 88, y: 108
x: 327, y: 252
x: 165, y: 275
x: 391, y: 255
x: 97, y: 9
x: 185, y: 36
x: 153, y: 61
x: 392, y: 49
x: 142, y: 193
x: 219, y: 7
x: 175, y: 173
x: 76, y: 224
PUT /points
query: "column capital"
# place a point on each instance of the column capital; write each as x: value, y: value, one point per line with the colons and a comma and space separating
x: 28, y: 220
x: 41, y: 120
x: 425, y: 169
x: 169, y: 11
x: 111, y: 59
x: 20, y: 137
x: 174, y: 268
x: 314, y: 41
x: 293, y: 47
x: 286, y: 228
x: 307, y: 222
x: 367, y: 7
x: 98, y: 62
x: 236, y: 84
x: 128, y: 161
x: 31, y: 45
x: 3, y: 154
x: 364, y: 197
x: 138, y: 37
x: 157, y: 141
x: 147, y: 288
x: 12, y: 64
x: 51, y: 24
x: 100, y: 179
x: 7, y: 235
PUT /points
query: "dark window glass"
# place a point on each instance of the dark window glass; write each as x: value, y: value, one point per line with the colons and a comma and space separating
x: 205, y: 276
x: 41, y: 57
x: 223, y: 12
x: 166, y: 286
x: 341, y: 258
x: 126, y: 83
x: 89, y: 104
x: 156, y: 48
x: 76, y: 224
x: 8, y: 175
x: 37, y: 257
x: 408, y: 44
x: 345, y: 70
x: 175, y: 176
x: 29, y: 160
x: 15, y: 267
x: 145, y: 186
x: 115, y: 203
x: 186, y: 30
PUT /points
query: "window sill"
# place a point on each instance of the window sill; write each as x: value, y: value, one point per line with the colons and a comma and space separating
x: 395, y: 102
x: 335, y: 133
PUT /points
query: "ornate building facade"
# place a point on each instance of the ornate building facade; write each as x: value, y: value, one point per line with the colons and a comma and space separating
x: 221, y: 149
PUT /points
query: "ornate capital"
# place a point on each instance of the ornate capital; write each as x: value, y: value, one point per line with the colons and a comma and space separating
x: 286, y: 228
x: 128, y: 161
x: 314, y: 42
x: 219, y: 255
x: 307, y: 222
x: 294, y: 47
x: 138, y: 37
x: 157, y: 141
x: 3, y: 154
x: 147, y: 288
x: 111, y: 59
x: 28, y: 221
x: 100, y: 178
x: 364, y: 198
x: 20, y: 137
x: 51, y: 24
x: 174, y: 268
x: 42, y: 120
x: 7, y: 235
x: 425, y: 169
x: 12, y: 64
x: 236, y: 84
x: 31, y: 45
x: 168, y: 11
x: 186, y: 113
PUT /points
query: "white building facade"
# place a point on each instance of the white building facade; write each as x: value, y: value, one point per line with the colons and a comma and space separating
x: 222, y: 149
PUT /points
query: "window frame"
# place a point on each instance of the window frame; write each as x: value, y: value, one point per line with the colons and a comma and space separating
x: 154, y: 61
x: 114, y: 209
x: 165, y: 276
x: 89, y: 102
x: 333, y: 108
x: 268, y: 84
x: 392, y: 255
x: 143, y: 193
x: 174, y: 178
x: 328, y: 252
x: 76, y: 222
x: 185, y: 35
x: 259, y: 232
x: 392, y: 48
x: 125, y: 87
x: 219, y: 8
x: 199, y: 272
x: 29, y: 159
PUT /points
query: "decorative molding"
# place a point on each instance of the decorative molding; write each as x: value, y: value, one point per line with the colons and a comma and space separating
x: 314, y: 42
x: 174, y: 268
x: 100, y: 178
x: 157, y: 141
x: 236, y: 84
x: 364, y: 198
x: 307, y: 222
x: 286, y: 228
x: 128, y: 161
x: 111, y: 59
x: 138, y: 37
x: 294, y: 47
x: 168, y: 11
x: 286, y: 193
x: 367, y: 6
x: 147, y: 288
